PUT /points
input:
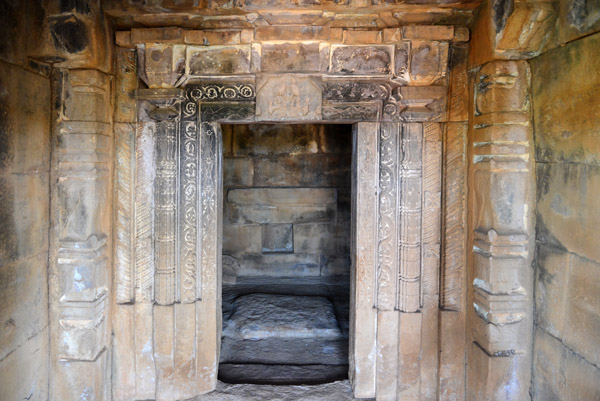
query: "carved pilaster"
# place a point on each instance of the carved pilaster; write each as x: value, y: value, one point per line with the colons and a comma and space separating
x: 164, y: 110
x: 409, y: 278
x: 502, y: 179
x: 79, y: 273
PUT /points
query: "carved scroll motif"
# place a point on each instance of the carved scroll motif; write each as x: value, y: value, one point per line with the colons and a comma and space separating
x: 409, y: 279
x: 387, y: 263
x: 222, y: 91
x: 209, y: 182
x: 165, y: 198
x: 188, y: 213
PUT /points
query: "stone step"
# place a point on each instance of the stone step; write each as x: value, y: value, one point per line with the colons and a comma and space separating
x: 297, y: 351
x: 281, y: 374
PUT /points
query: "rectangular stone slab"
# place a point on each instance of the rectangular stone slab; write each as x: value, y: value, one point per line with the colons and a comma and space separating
x: 259, y: 316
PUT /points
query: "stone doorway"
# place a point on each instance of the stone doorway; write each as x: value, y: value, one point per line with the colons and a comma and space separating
x: 286, y: 253
x: 172, y: 330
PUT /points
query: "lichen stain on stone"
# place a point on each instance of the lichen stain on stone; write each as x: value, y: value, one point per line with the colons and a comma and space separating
x: 69, y: 34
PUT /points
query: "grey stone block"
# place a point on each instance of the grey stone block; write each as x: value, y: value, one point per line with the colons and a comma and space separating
x: 322, y: 238
x: 238, y: 239
x: 238, y: 172
x: 279, y: 265
x: 281, y: 205
x: 277, y: 238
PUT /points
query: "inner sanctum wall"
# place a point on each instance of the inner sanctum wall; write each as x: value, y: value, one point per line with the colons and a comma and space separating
x: 116, y: 229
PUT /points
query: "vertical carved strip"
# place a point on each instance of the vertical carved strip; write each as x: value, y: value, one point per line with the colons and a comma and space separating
x: 387, y: 266
x: 430, y: 258
x: 144, y: 221
x: 409, y: 287
x: 432, y: 202
x: 189, y: 210
x: 451, y: 384
x: 124, y: 271
x: 208, y: 181
x: 454, y: 256
x: 363, y: 315
x: 123, y: 345
x: 145, y: 369
x: 208, y: 310
x: 165, y: 197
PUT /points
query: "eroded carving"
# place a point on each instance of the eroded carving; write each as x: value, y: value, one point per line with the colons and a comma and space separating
x: 355, y: 91
x: 230, y: 111
x: 387, y: 266
x: 352, y: 111
x: 288, y: 97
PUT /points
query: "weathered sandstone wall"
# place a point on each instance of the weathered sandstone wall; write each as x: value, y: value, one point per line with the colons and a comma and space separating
x: 24, y: 213
x: 566, y: 106
x: 287, y: 199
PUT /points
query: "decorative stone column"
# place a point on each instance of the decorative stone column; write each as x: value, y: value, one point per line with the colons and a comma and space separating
x: 80, y: 237
x: 502, y: 186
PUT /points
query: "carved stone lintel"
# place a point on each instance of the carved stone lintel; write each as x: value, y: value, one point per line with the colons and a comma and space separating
x: 363, y: 111
x: 229, y: 111
x: 337, y: 90
x: 221, y: 91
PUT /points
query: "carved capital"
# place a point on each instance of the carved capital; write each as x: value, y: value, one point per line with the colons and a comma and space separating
x: 162, y: 104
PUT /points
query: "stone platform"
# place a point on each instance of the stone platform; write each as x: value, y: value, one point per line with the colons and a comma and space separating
x: 274, y: 338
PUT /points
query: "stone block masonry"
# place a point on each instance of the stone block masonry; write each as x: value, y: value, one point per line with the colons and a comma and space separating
x: 285, y: 210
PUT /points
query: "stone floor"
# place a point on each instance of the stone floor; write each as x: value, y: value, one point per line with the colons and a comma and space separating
x: 336, y: 391
x: 285, y: 331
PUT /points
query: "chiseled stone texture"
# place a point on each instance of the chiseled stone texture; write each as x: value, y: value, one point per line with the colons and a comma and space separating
x: 24, y: 209
x: 218, y: 60
x: 259, y: 316
x: 565, y: 101
x: 287, y: 209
